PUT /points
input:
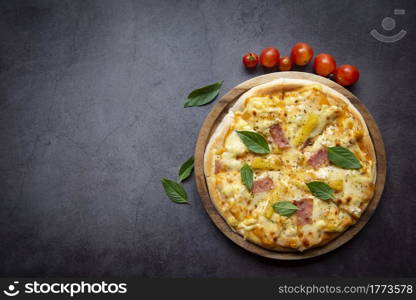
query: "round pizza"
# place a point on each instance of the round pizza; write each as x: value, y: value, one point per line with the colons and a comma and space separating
x: 291, y: 165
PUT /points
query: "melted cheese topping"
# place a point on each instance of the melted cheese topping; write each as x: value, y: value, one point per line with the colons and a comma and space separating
x: 310, y: 122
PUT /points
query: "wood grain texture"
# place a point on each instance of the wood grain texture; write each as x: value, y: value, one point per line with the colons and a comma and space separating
x: 215, y: 117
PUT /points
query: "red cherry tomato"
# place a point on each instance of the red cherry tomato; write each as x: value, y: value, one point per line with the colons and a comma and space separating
x: 250, y: 60
x: 285, y: 63
x: 346, y: 75
x: 324, y: 64
x: 301, y: 54
x: 269, y: 57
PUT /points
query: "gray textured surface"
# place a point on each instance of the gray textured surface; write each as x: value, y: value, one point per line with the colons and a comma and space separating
x: 91, y: 118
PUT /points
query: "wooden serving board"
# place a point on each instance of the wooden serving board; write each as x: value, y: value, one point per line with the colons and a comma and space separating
x: 215, y: 117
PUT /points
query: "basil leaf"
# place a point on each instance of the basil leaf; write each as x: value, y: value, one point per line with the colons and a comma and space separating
x: 285, y: 208
x: 320, y: 190
x: 254, y: 142
x: 247, y: 176
x: 203, y: 95
x: 344, y: 158
x: 186, y: 169
x: 174, y: 191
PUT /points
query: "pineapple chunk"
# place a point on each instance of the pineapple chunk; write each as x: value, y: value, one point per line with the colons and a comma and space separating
x: 362, y: 179
x: 300, y: 185
x: 277, y: 150
x: 310, y: 124
x: 268, y: 212
x: 332, y: 228
x: 259, y: 163
x: 337, y: 185
x: 271, y: 163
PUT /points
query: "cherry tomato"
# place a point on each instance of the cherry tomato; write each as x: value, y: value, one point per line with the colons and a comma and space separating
x: 301, y: 54
x: 346, y: 75
x: 269, y: 57
x: 250, y: 60
x: 324, y: 64
x: 285, y: 63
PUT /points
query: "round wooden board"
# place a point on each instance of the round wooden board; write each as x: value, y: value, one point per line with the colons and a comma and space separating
x: 215, y: 117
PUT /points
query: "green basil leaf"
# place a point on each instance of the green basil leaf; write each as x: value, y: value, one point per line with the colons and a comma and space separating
x: 174, y: 191
x: 203, y: 95
x: 247, y: 176
x: 344, y: 158
x: 320, y: 190
x: 254, y: 142
x: 186, y: 169
x: 285, y: 208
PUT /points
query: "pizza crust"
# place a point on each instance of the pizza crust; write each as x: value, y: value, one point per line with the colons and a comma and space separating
x: 279, y: 85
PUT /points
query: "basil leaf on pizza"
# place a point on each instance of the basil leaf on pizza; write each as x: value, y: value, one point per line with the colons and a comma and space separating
x: 174, y: 191
x: 254, y: 142
x: 247, y: 176
x: 343, y: 157
x: 186, y: 169
x: 285, y: 208
x: 320, y: 190
x: 203, y: 95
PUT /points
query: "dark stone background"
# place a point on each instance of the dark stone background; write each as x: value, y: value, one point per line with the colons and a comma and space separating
x: 91, y: 118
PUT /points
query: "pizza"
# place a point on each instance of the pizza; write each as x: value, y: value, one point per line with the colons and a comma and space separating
x: 291, y: 165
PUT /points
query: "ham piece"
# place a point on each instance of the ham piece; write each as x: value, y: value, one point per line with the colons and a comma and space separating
x: 262, y: 185
x: 304, y: 213
x: 319, y: 158
x: 278, y: 136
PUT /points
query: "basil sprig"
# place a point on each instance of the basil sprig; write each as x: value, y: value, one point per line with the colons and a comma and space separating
x: 174, y: 191
x: 285, y: 208
x: 254, y: 142
x: 321, y: 190
x: 203, y: 95
x: 344, y: 158
x: 186, y: 169
x: 247, y: 176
